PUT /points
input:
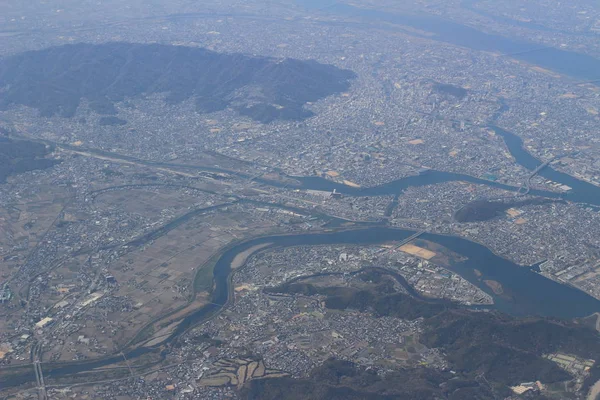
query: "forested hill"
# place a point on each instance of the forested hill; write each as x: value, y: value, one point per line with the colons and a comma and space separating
x: 56, y: 79
x: 18, y: 156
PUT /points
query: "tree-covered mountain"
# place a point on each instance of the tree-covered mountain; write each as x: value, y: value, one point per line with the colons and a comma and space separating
x: 56, y: 79
x: 506, y: 350
x: 18, y: 156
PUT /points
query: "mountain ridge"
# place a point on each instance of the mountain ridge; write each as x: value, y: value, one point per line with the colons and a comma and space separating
x: 55, y: 80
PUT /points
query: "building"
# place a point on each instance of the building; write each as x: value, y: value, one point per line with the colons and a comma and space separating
x: 5, y: 294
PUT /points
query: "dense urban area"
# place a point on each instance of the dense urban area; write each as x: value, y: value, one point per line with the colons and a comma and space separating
x: 289, y: 199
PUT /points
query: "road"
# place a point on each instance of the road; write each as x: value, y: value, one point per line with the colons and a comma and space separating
x: 39, y: 374
x: 527, y: 183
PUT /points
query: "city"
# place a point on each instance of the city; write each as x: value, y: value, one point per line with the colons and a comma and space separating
x: 119, y: 248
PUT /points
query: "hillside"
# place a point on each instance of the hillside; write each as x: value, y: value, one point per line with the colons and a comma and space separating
x: 55, y: 80
x: 18, y: 156
x: 483, y: 210
x: 337, y: 379
x: 505, y: 349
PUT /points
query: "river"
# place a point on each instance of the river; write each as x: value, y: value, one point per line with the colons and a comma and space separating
x: 525, y: 292
x: 576, y: 65
x: 581, y: 192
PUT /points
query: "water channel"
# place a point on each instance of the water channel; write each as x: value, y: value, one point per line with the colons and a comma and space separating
x: 525, y: 292
x: 581, y: 192
x: 573, y: 64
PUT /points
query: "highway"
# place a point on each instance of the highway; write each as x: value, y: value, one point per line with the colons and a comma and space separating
x: 527, y: 183
x: 411, y: 238
x: 39, y: 374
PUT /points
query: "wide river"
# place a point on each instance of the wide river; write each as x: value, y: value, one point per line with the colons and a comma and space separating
x: 576, y: 65
x: 526, y: 292
x: 582, y: 192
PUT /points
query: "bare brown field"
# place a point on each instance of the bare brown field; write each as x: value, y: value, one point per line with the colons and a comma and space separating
x: 24, y: 224
x: 154, y: 284
x: 417, y: 251
x: 148, y: 202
